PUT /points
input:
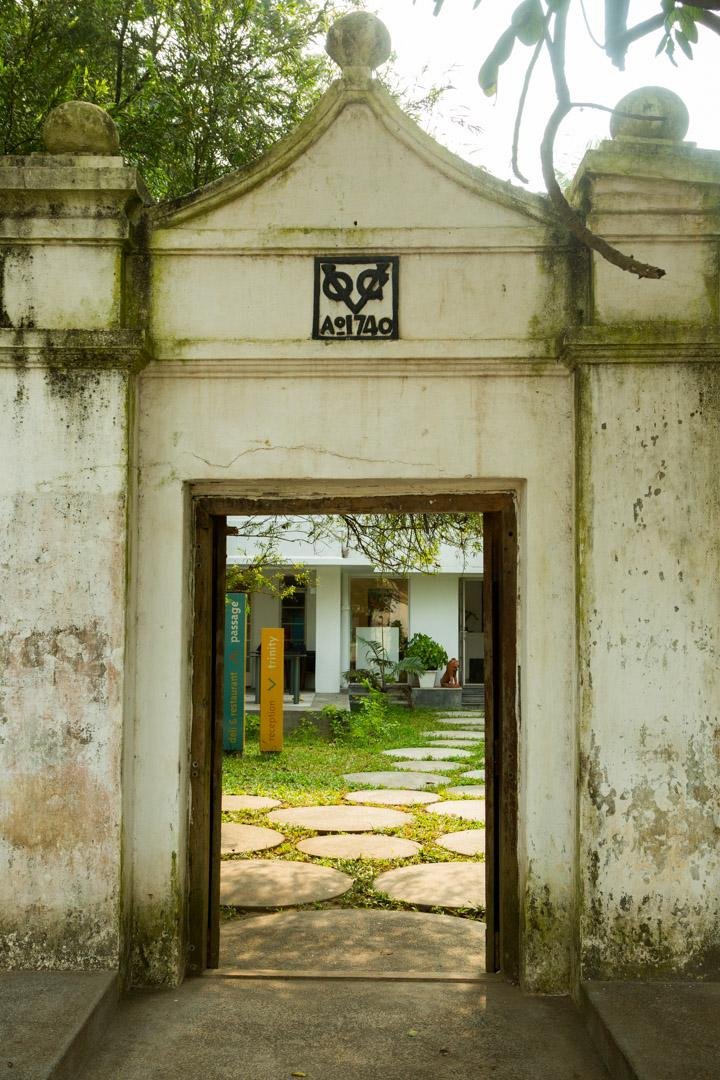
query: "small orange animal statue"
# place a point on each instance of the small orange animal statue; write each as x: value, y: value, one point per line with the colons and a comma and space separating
x: 450, y: 677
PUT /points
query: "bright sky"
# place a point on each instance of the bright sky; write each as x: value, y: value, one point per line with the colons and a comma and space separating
x: 451, y: 47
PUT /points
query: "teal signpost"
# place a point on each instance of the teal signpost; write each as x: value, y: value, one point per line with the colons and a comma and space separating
x: 234, y: 672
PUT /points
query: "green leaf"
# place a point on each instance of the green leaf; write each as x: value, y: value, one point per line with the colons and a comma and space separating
x: 528, y: 22
x: 687, y: 25
x: 663, y: 44
x: 684, y: 44
x: 488, y: 74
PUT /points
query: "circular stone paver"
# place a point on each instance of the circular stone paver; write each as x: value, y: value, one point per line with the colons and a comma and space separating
x: 359, y: 847
x: 236, y: 839
x: 462, y: 734
x: 423, y: 753
x: 471, y: 791
x: 474, y: 774
x: 468, y: 809
x: 340, y: 818
x: 427, y: 766
x: 459, y: 744
x: 400, y: 797
x: 263, y: 883
x: 466, y: 842
x: 448, y: 884
x: 473, y: 713
x: 248, y: 802
x: 414, y: 779
x: 473, y: 723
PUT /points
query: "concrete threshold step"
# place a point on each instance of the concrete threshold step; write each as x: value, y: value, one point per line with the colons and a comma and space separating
x: 655, y: 1030
x: 52, y: 1020
x: 350, y: 974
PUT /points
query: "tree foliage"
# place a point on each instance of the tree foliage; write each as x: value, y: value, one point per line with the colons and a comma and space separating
x: 196, y: 87
x: 391, y: 543
x: 541, y: 26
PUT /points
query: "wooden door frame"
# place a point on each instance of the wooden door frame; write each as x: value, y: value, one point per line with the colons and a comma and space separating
x: 209, y: 514
x: 500, y: 554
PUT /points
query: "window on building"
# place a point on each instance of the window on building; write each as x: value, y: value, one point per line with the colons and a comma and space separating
x: 378, y: 603
x: 292, y: 617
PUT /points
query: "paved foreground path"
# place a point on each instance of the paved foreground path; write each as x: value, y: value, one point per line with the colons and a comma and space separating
x: 397, y: 1000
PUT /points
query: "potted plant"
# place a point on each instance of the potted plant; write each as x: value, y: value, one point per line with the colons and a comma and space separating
x: 382, y: 675
x: 431, y: 655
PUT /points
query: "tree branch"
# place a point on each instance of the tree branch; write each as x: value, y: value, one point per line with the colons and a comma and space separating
x: 521, y: 110
x: 571, y: 218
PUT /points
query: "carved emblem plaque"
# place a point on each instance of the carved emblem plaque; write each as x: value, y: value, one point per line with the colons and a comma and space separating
x: 356, y: 298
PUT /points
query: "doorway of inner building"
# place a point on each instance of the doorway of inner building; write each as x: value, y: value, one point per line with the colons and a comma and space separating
x: 471, y: 637
x: 491, y: 599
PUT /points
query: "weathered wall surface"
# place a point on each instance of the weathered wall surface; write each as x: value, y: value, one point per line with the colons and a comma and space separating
x: 292, y: 427
x: 65, y: 408
x: 649, y: 562
x: 239, y: 394
x: 650, y: 670
x: 62, y: 551
x: 598, y: 411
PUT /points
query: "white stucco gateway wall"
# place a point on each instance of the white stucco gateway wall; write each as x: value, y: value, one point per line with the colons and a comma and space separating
x: 188, y: 367
x: 240, y: 399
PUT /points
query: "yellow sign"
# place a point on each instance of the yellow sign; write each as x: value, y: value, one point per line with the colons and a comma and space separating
x: 272, y: 672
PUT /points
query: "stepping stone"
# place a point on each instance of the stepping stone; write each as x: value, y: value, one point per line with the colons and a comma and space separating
x: 460, y: 721
x: 340, y: 818
x: 359, y: 847
x: 467, y: 842
x: 461, y: 744
x: 472, y: 791
x: 448, y: 884
x: 401, y: 797
x: 262, y: 883
x: 465, y: 736
x: 427, y: 766
x: 414, y: 779
x: 460, y: 712
x: 363, y: 942
x: 420, y: 753
x: 475, y: 717
x: 248, y: 802
x: 235, y: 838
x: 468, y: 809
x: 474, y: 774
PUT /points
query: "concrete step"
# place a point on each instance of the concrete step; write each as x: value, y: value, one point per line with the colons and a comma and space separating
x: 655, y: 1030
x: 473, y: 695
x: 51, y: 1021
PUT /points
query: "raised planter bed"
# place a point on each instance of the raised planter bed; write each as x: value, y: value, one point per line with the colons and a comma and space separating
x: 437, y: 697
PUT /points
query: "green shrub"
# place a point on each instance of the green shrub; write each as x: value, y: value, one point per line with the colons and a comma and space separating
x: 339, y: 721
x: 429, y: 652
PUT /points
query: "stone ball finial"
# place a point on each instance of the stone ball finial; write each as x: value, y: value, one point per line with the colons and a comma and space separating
x: 657, y: 114
x: 358, y: 42
x: 79, y: 127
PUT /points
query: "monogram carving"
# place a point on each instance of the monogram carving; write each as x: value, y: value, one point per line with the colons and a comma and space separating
x: 356, y: 298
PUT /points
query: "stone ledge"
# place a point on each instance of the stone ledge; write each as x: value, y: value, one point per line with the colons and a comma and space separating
x: 54, y: 1019
x: 654, y: 1030
x: 652, y: 343
x: 104, y: 349
x: 437, y: 697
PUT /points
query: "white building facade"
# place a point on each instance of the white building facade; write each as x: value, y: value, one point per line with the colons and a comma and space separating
x: 342, y: 599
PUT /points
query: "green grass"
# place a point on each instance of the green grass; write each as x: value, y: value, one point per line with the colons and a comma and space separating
x: 309, y: 772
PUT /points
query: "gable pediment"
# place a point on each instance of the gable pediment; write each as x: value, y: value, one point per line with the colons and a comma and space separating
x: 357, y: 163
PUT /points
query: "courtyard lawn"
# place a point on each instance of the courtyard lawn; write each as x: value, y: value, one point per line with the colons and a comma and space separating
x: 309, y: 772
